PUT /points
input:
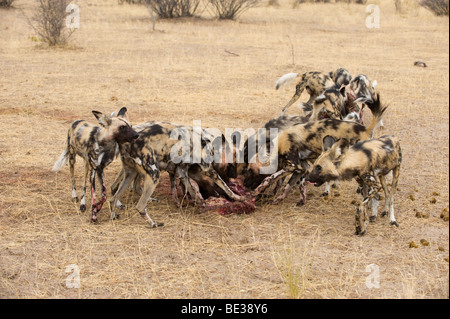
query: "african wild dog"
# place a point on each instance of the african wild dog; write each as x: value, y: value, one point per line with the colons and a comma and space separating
x: 152, y: 152
x: 97, y: 145
x: 250, y: 170
x: 361, y: 89
x: 307, y: 138
x: 303, y: 142
x: 315, y: 84
x: 333, y: 103
x: 364, y: 161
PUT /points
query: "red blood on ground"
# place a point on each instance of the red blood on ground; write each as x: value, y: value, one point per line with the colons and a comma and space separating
x: 223, y: 206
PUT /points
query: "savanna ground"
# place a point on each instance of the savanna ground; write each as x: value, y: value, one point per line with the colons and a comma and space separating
x: 181, y: 72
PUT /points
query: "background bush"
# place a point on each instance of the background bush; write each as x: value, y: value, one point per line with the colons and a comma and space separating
x: 231, y: 9
x: 173, y: 8
x: 6, y: 3
x: 438, y: 7
x: 49, y: 21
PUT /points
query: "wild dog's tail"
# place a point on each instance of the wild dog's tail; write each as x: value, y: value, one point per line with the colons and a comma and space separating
x: 285, y: 79
x: 62, y: 160
x: 377, y: 111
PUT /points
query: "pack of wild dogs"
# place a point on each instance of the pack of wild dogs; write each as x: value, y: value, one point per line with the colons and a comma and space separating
x: 328, y: 143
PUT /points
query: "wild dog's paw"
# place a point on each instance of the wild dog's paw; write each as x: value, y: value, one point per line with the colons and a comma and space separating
x: 395, y: 223
x: 372, y: 219
x: 154, y: 225
x: 82, y: 208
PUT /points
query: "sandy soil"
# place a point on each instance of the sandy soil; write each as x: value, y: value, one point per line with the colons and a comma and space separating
x: 182, y: 72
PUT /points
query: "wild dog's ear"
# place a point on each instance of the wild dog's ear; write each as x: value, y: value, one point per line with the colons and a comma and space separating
x: 328, y: 142
x: 122, y: 112
x: 339, y: 148
x: 102, y: 119
x: 343, y: 90
x: 304, y: 154
x: 320, y: 98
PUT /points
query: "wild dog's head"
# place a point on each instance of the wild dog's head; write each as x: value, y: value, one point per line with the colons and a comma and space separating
x: 329, y: 105
x: 362, y: 89
x: 325, y: 166
x: 341, y: 77
x: 117, y: 126
x: 334, y: 103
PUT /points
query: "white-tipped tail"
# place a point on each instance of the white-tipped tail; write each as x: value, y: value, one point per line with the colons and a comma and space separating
x: 62, y: 160
x: 285, y: 79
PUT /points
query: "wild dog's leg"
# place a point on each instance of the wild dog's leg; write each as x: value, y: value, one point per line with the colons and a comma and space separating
x: 294, y: 180
x: 369, y: 191
x: 150, y: 183
x: 374, y: 205
x: 302, y: 187
x: 83, y: 188
x: 94, y: 203
x: 174, y: 188
x: 129, y: 175
x: 198, y: 196
x: 101, y: 179
x: 187, y: 184
x: 395, y: 175
x: 386, y: 195
x: 278, y: 185
x: 360, y: 219
x: 361, y: 211
x: 137, y: 188
x: 119, y: 178
x: 72, y: 160
x: 269, y: 180
x: 298, y: 92
x: 311, y: 100
x: 211, y: 173
x: 327, y: 189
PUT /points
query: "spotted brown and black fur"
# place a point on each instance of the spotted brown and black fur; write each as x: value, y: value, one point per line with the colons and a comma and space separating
x: 157, y: 137
x: 303, y: 142
x: 315, y: 83
x: 364, y: 161
x: 97, y: 145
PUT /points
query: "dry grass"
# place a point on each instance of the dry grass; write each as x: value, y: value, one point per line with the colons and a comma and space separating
x: 181, y: 72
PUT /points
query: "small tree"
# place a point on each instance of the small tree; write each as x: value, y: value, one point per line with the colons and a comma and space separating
x: 438, y: 7
x: 231, y: 9
x: 49, y: 21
